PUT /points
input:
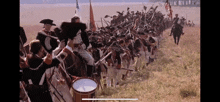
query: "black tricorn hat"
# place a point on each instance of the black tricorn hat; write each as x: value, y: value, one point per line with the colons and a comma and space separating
x: 47, y: 21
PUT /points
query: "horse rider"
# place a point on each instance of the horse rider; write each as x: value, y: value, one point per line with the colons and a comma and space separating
x: 176, y: 24
x: 76, y: 31
x: 37, y: 86
x: 47, y: 37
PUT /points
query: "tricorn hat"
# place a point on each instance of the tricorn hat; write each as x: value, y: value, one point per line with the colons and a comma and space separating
x: 47, y: 21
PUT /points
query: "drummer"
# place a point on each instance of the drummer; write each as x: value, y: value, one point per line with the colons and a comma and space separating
x: 37, y: 86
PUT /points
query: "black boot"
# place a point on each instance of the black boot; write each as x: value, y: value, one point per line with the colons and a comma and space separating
x: 89, y: 70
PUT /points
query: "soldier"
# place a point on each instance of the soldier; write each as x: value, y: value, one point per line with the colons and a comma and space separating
x: 189, y: 23
x: 176, y: 24
x: 47, y: 37
x: 37, y: 86
x: 72, y: 30
x: 114, y: 21
x: 182, y: 20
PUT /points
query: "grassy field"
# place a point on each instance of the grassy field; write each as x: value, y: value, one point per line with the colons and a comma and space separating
x: 173, y: 77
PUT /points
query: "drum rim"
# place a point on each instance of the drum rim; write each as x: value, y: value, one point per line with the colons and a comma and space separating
x: 84, y: 92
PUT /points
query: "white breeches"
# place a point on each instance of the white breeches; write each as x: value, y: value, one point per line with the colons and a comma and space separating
x: 85, y: 55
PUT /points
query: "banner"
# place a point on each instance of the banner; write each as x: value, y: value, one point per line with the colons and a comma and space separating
x: 77, y: 11
x: 168, y: 9
x: 92, y: 21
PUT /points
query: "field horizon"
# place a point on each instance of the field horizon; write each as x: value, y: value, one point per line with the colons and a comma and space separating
x: 31, y: 15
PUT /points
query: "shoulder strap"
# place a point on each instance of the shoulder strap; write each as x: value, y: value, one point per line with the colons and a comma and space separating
x: 43, y: 33
x: 37, y: 67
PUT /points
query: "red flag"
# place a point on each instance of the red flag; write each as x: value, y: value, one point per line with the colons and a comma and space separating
x: 166, y: 5
x: 92, y: 21
x: 171, y: 12
x: 168, y: 8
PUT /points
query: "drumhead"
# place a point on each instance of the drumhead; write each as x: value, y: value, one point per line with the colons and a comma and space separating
x: 84, y: 85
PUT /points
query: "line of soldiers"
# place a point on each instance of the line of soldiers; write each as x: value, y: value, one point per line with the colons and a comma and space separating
x: 127, y: 26
x: 51, y: 47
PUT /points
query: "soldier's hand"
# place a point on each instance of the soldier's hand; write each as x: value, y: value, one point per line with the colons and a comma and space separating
x: 48, y: 59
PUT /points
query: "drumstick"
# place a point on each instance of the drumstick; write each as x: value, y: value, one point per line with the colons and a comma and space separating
x: 75, y: 77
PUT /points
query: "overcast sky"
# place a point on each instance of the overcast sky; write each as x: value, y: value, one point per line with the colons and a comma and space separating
x: 73, y: 1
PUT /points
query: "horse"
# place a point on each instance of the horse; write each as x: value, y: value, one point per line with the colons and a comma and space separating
x: 176, y: 32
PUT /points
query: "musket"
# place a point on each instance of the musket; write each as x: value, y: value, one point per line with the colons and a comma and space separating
x: 106, y: 22
x: 149, y: 9
x: 102, y: 58
x: 25, y: 92
x: 22, y: 46
x: 56, y: 91
x: 153, y: 13
x: 140, y: 42
x: 97, y: 26
x: 102, y: 22
x: 108, y: 48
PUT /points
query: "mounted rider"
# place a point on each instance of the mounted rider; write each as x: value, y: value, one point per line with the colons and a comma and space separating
x: 176, y: 23
x: 76, y: 31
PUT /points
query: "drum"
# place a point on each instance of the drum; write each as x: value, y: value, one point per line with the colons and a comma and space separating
x: 84, y: 88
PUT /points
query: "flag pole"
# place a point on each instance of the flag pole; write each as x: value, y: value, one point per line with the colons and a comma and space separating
x: 77, y: 11
x: 77, y: 6
x: 92, y: 21
x: 101, y: 22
